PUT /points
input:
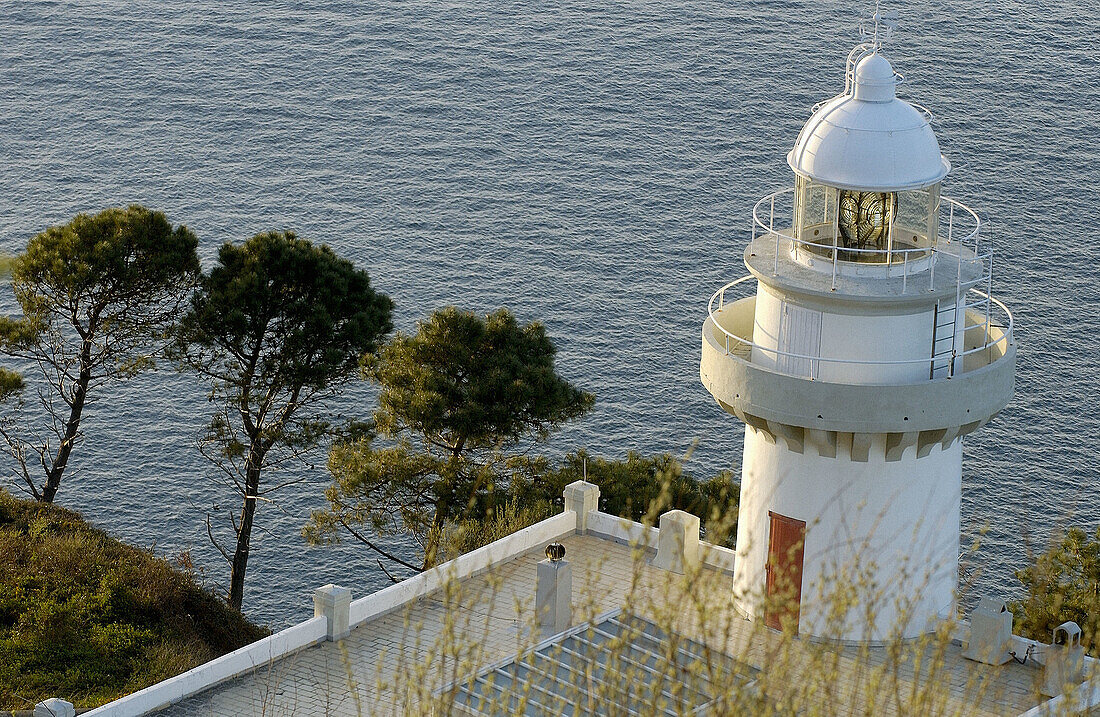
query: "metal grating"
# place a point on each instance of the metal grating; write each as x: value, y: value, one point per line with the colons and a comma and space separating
x: 619, y: 663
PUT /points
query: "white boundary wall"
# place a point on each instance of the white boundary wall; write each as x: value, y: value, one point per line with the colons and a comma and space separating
x: 508, y: 547
x: 643, y: 536
x: 236, y: 663
x: 313, y: 631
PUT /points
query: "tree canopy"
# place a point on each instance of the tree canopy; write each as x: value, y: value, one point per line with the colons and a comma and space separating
x: 637, y: 487
x: 97, y: 295
x: 1062, y: 584
x: 276, y: 326
x: 457, y: 399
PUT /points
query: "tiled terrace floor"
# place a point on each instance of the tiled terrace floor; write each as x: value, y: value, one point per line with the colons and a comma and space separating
x: 390, y: 665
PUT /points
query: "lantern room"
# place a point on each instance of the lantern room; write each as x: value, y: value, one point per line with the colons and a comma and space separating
x: 868, y: 171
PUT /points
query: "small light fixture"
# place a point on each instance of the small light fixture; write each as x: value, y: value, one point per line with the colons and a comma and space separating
x: 555, y: 552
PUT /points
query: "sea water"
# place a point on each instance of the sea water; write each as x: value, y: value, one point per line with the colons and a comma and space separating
x: 589, y: 165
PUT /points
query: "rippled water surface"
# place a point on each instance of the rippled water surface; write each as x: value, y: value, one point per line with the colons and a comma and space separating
x: 590, y: 167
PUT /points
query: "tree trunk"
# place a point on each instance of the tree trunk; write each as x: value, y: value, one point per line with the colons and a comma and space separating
x: 244, y: 528
x: 434, y: 543
x: 72, y: 426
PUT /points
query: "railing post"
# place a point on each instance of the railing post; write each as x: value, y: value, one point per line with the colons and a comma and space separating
x: 834, y: 264
x: 889, y: 246
x: 989, y: 294
x: 582, y: 498
x: 334, y: 603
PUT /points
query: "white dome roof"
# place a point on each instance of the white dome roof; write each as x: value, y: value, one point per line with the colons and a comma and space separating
x: 869, y: 140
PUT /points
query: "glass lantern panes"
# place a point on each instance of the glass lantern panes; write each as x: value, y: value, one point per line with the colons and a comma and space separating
x: 865, y: 226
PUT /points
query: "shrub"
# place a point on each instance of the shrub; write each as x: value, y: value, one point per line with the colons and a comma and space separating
x: 1063, y: 583
x: 89, y: 619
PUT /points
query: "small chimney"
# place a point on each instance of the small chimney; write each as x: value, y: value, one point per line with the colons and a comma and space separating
x: 54, y: 707
x: 1064, y: 660
x: 554, y: 591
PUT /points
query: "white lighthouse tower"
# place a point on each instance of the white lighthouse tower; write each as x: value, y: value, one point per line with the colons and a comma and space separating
x: 859, y: 351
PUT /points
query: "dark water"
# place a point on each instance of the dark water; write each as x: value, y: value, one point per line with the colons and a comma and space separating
x: 591, y: 167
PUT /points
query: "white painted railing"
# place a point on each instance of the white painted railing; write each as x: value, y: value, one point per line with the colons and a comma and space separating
x: 239, y: 662
x: 997, y: 335
x: 773, y: 219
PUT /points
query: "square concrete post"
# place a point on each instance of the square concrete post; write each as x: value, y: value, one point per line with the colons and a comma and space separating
x: 678, y: 542
x: 334, y: 602
x: 582, y: 497
x: 554, y: 596
x: 54, y: 707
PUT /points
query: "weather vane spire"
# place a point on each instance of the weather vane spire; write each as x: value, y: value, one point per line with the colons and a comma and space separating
x: 877, y: 29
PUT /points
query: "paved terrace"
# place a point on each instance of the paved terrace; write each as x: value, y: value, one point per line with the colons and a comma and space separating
x: 390, y: 665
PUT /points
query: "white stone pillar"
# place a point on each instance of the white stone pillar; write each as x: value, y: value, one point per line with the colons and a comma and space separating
x: 677, y: 542
x: 554, y: 596
x: 334, y: 603
x: 582, y: 497
x: 54, y: 707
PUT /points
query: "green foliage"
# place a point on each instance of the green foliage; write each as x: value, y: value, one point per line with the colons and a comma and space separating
x: 7, y: 263
x: 467, y: 383
x: 501, y: 521
x: 276, y: 326
x: 89, y: 619
x: 457, y: 399
x: 11, y: 384
x: 282, y: 315
x: 637, y: 488
x: 1062, y: 583
x: 97, y: 295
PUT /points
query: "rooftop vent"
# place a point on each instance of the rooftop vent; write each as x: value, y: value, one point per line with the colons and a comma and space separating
x: 1065, y: 660
x: 990, y: 632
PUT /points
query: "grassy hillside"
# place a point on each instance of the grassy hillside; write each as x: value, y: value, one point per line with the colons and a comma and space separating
x: 88, y: 619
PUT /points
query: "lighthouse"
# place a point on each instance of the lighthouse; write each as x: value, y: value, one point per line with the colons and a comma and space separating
x: 860, y: 350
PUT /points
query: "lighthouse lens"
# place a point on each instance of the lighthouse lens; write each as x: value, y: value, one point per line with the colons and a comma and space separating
x: 864, y: 220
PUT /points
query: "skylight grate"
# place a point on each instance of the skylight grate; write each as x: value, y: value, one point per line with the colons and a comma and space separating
x: 619, y: 663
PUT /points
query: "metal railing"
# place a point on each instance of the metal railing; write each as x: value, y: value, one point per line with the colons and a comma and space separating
x: 736, y: 344
x: 773, y: 219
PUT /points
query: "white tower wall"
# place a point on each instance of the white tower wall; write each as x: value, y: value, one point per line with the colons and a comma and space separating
x: 858, y: 365
x: 791, y: 326
x: 887, y: 529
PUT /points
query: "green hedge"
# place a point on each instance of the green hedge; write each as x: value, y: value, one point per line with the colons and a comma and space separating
x: 89, y: 619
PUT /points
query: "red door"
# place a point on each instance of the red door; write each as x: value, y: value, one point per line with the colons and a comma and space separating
x: 784, y: 572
